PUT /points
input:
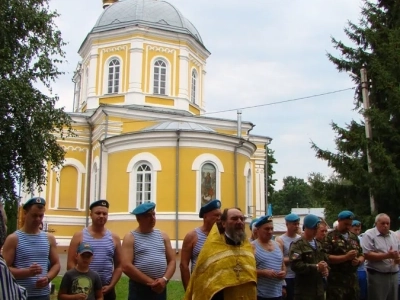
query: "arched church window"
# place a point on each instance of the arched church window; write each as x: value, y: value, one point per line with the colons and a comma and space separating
x: 143, y: 184
x: 160, y: 77
x: 194, y: 86
x: 208, y: 183
x: 94, y: 184
x: 114, y: 70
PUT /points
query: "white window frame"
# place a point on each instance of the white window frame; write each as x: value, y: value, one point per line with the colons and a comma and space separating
x: 197, y: 165
x: 94, y: 180
x: 81, y: 170
x: 105, y: 72
x: 194, y: 86
x: 134, y: 163
x: 167, y: 76
x: 248, y: 177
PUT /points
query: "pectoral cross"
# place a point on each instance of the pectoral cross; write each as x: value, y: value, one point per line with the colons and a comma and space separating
x: 237, y: 269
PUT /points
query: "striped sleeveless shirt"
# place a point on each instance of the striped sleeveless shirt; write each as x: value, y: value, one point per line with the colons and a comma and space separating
x: 103, y: 255
x: 287, y: 241
x: 268, y: 287
x: 149, y: 253
x: 201, y: 238
x: 32, y: 248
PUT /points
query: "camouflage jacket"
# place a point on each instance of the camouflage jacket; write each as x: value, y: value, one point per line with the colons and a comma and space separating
x: 336, y: 244
x: 303, y: 261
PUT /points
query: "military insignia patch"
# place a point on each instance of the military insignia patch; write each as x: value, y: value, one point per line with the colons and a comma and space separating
x: 38, y: 200
x: 295, y: 255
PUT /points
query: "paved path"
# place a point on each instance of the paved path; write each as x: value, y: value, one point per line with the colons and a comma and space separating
x: 63, y: 261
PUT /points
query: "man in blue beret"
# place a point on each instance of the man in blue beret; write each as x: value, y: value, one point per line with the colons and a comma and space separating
x: 106, y: 247
x: 345, y: 256
x: 308, y: 261
x: 361, y: 272
x: 194, y: 240
x: 28, y: 263
x: 149, y: 260
x: 291, y: 235
x: 271, y: 269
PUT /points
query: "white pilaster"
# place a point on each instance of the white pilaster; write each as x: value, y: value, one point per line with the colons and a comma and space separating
x: 92, y: 73
x: 184, y: 74
x: 135, y: 68
x: 260, y: 193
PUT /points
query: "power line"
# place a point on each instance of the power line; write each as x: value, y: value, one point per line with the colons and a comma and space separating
x: 245, y: 107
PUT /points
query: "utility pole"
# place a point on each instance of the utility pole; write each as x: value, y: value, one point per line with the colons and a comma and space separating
x: 368, y: 130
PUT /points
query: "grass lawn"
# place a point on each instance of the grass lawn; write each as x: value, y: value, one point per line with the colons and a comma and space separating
x: 174, y: 291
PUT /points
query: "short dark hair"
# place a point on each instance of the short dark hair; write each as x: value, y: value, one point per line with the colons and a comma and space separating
x: 224, y: 215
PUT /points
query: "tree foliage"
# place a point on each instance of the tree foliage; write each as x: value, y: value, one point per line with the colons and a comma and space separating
x: 375, y: 45
x: 294, y: 193
x: 271, y: 161
x: 30, y: 52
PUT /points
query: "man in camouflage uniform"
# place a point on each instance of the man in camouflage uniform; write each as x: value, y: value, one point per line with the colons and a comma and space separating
x: 345, y: 255
x: 308, y: 261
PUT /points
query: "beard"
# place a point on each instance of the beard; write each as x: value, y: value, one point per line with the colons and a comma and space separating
x: 238, y: 235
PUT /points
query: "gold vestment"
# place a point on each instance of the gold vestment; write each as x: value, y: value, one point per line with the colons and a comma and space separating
x: 223, y: 267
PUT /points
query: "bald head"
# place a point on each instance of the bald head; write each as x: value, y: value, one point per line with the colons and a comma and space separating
x: 382, y: 223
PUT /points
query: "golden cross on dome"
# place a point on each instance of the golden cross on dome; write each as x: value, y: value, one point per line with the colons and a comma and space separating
x: 238, y: 269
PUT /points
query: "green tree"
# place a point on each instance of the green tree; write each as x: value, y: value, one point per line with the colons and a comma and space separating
x: 294, y: 193
x: 271, y: 161
x: 30, y: 52
x: 375, y: 45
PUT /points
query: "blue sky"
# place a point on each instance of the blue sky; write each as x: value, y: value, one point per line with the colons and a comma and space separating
x: 262, y: 51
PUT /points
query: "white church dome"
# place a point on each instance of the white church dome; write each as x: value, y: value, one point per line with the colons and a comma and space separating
x: 152, y: 13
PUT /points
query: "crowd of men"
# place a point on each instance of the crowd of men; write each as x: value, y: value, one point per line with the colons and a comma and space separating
x: 218, y: 260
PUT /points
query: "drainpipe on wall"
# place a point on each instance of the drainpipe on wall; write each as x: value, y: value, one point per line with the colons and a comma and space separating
x: 89, y: 172
x: 178, y: 134
x: 101, y: 156
x: 239, y: 135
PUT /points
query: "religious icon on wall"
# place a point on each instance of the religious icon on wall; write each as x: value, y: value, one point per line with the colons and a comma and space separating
x: 208, y: 183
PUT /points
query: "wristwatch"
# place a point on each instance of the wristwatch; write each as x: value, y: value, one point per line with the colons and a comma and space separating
x: 166, y: 279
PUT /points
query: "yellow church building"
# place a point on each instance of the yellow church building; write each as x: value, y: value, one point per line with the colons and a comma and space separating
x: 142, y: 133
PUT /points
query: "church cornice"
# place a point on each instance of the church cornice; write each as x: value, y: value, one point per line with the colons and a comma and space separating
x: 145, y: 35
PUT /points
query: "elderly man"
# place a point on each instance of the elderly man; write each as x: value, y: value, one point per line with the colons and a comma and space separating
x: 253, y: 230
x: 149, y: 260
x: 9, y: 289
x: 194, y: 240
x: 285, y: 240
x: 226, y: 267
x: 271, y: 269
x: 106, y: 247
x: 308, y: 261
x: 380, y: 246
x: 361, y: 273
x: 27, y: 252
x: 345, y: 255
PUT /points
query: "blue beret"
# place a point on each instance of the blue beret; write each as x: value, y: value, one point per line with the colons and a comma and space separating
x: 345, y: 215
x: 213, y: 204
x: 34, y: 200
x: 252, y: 223
x: 263, y: 220
x: 356, y: 223
x: 143, y: 208
x: 311, y: 221
x: 292, y: 218
x: 103, y: 203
